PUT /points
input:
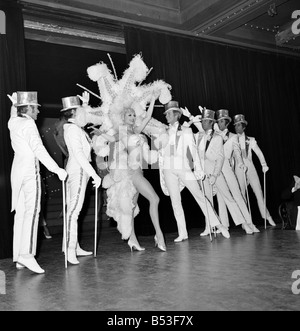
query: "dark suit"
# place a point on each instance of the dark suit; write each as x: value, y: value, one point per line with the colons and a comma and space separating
x: 292, y: 202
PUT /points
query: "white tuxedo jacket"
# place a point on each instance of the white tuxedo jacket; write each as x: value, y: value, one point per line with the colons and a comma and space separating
x: 213, y: 158
x: 29, y: 150
x: 79, y: 147
x: 184, y: 141
x: 247, y: 145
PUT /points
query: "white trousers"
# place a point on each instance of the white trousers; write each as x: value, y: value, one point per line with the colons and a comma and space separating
x: 235, y: 191
x: 224, y: 194
x: 76, y: 188
x: 252, y: 179
x: 26, y: 218
x: 187, y: 177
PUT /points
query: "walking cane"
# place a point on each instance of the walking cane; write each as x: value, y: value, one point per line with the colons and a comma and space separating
x: 212, y: 199
x: 65, y: 223
x: 96, y: 221
x: 247, y: 194
x: 265, y: 205
x: 205, y: 199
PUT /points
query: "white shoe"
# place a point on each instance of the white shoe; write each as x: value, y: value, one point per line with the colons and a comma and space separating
x: 271, y: 222
x: 19, y: 266
x: 161, y: 246
x: 72, y: 256
x: 135, y: 246
x: 224, y: 231
x: 30, y: 264
x: 254, y: 228
x: 204, y: 233
x: 247, y: 228
x: 81, y: 252
x: 181, y: 238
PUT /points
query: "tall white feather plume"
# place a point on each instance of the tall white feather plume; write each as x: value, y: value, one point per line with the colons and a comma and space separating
x: 127, y: 93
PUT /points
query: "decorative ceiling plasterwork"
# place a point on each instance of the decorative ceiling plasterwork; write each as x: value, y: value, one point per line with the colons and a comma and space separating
x: 259, y: 24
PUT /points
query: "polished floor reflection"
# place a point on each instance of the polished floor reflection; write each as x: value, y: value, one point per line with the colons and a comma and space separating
x: 246, y: 272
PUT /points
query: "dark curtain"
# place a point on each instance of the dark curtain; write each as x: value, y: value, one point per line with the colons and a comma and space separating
x: 12, y: 78
x: 262, y: 86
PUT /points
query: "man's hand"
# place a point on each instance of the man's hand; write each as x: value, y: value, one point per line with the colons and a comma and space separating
x: 200, y: 174
x: 95, y: 131
x: 96, y: 181
x: 265, y: 169
x: 186, y: 112
x: 85, y: 98
x: 201, y: 109
x: 13, y: 98
x: 212, y: 180
x: 197, y: 118
x: 62, y: 174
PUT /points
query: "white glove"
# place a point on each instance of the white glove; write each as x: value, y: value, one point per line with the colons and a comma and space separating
x: 186, y: 124
x: 62, y: 174
x: 212, y: 179
x: 201, y: 109
x: 197, y: 118
x: 13, y: 98
x: 200, y: 174
x: 186, y: 112
x: 242, y: 167
x: 96, y: 181
x: 265, y: 169
x: 85, y: 98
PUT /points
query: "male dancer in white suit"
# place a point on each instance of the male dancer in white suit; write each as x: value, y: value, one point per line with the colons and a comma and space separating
x: 211, y: 153
x: 25, y: 177
x: 79, y: 170
x: 247, y: 145
x: 232, y: 152
x: 175, y: 171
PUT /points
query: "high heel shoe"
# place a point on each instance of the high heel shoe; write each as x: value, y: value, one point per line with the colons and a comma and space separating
x: 162, y: 247
x: 135, y: 246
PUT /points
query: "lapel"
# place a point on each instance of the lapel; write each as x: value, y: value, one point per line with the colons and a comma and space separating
x: 178, y: 136
x: 226, y: 137
x: 247, y: 141
x: 242, y: 143
x: 208, y: 139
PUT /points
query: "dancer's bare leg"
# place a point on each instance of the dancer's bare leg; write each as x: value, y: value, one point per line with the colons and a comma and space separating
x: 146, y: 190
x: 133, y: 241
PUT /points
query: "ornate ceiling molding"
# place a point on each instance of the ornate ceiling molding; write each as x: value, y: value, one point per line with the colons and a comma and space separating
x: 231, y: 14
x: 54, y: 28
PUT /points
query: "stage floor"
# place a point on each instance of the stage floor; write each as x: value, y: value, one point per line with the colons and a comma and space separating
x: 243, y: 273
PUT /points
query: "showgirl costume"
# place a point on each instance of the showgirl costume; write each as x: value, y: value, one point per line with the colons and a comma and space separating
x: 129, y: 151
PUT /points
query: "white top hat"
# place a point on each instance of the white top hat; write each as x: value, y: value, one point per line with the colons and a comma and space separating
x: 70, y: 103
x: 172, y: 105
x: 223, y: 114
x: 27, y: 99
x: 208, y: 114
x: 239, y: 119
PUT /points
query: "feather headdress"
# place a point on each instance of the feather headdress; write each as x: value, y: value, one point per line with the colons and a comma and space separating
x: 128, y: 92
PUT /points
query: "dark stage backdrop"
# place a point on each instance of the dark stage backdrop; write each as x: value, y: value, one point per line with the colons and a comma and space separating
x: 262, y: 86
x: 12, y: 78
